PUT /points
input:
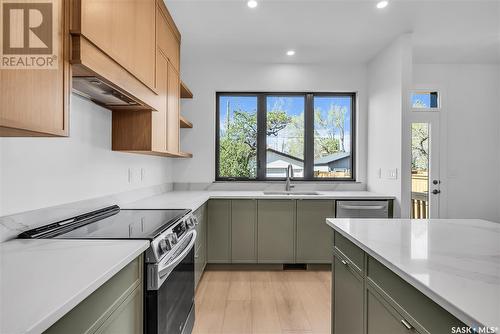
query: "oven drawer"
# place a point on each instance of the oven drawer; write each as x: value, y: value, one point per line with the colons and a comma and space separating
x: 92, y: 312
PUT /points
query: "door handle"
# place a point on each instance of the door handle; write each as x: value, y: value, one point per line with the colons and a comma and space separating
x: 435, y: 191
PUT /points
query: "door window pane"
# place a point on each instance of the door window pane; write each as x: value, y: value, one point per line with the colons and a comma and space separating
x: 285, y: 135
x: 238, y: 136
x: 419, y: 170
x: 423, y: 100
x: 332, y: 137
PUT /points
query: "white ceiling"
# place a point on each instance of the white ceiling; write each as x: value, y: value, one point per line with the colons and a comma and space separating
x: 338, y: 31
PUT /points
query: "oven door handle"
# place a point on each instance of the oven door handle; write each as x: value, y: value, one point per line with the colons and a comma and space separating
x: 165, y: 269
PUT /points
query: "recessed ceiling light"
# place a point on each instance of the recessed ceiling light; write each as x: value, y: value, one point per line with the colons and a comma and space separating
x: 252, y: 3
x: 382, y: 4
x: 290, y: 52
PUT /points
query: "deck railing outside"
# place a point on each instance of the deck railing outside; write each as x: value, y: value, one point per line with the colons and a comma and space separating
x: 419, y: 205
x: 420, y: 195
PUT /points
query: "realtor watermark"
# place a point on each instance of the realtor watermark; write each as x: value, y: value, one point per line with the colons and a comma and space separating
x: 29, y: 34
x: 474, y: 330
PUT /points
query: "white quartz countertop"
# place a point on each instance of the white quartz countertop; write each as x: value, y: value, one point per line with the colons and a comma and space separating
x: 41, y: 280
x: 194, y: 199
x: 455, y: 262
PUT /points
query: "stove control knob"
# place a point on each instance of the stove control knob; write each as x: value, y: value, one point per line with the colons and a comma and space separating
x: 196, y: 220
x: 164, y: 246
x: 190, y: 222
x: 171, y: 239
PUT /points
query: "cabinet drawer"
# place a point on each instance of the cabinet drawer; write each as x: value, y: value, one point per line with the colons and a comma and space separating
x: 127, y: 319
x: 91, y: 313
x: 383, y: 318
x: 350, y: 251
x: 427, y: 313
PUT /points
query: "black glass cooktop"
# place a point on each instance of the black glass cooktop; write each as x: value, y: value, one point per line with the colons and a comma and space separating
x: 110, y: 223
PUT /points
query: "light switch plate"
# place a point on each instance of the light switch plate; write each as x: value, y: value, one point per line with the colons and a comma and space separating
x: 391, y: 173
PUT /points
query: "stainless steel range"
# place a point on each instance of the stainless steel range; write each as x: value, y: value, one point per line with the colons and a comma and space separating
x: 169, y: 261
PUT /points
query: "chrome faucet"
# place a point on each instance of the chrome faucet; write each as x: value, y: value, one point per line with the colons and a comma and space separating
x: 289, y: 175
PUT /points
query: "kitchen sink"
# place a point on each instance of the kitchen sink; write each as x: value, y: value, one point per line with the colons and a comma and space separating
x: 300, y: 193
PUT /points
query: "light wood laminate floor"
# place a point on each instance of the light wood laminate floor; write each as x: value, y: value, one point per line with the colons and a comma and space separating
x: 264, y: 302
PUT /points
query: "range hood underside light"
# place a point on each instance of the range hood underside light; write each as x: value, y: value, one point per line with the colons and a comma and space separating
x: 100, y: 92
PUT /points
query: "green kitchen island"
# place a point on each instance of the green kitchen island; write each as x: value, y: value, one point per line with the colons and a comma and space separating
x: 436, y: 276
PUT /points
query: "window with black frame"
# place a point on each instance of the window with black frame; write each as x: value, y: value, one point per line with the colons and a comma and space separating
x: 260, y: 134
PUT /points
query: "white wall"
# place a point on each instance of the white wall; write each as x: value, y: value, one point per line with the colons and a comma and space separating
x: 41, y: 172
x: 388, y: 77
x: 206, y: 77
x: 470, y: 154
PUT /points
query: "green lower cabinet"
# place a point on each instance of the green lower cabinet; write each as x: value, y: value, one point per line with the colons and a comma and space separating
x: 218, y: 233
x: 314, y: 236
x: 115, y: 307
x: 276, y: 231
x: 127, y: 319
x: 366, y: 295
x: 382, y: 318
x: 244, y: 231
x: 432, y: 317
x: 200, y: 252
x: 348, y: 300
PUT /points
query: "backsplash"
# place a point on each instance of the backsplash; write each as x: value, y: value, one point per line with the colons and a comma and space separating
x: 271, y: 186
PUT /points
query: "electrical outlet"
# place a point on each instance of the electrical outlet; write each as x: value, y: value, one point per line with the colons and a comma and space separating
x: 143, y: 174
x: 134, y: 175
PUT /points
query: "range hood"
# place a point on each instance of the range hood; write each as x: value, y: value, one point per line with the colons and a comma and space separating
x: 102, y: 93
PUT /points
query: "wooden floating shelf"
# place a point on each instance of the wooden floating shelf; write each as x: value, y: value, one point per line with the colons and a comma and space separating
x: 161, y: 154
x: 185, y: 92
x: 184, y: 123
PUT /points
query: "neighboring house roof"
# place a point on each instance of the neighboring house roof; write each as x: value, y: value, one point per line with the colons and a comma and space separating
x: 282, y: 164
x: 285, y: 155
x: 318, y: 162
x: 331, y: 158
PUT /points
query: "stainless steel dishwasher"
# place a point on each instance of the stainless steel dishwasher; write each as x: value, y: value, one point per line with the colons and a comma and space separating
x: 363, y: 209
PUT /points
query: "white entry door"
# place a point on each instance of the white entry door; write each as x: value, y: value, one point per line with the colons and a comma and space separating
x: 425, y: 158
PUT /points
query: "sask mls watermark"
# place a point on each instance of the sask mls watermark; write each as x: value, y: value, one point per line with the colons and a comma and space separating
x: 29, y: 34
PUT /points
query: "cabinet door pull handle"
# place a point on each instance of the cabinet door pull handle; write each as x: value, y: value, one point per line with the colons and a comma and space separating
x: 406, y: 324
x: 344, y: 262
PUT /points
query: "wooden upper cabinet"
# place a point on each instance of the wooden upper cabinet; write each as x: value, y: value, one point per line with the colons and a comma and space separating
x: 35, y: 102
x: 159, y: 121
x: 148, y: 132
x: 125, y: 31
x: 168, y: 36
x: 173, y: 101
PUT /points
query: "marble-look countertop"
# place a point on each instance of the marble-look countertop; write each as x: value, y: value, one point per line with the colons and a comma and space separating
x: 455, y: 262
x: 194, y: 199
x: 41, y: 280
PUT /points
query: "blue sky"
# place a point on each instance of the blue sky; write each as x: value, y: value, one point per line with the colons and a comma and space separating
x: 294, y: 105
x: 424, y: 98
x: 245, y: 103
